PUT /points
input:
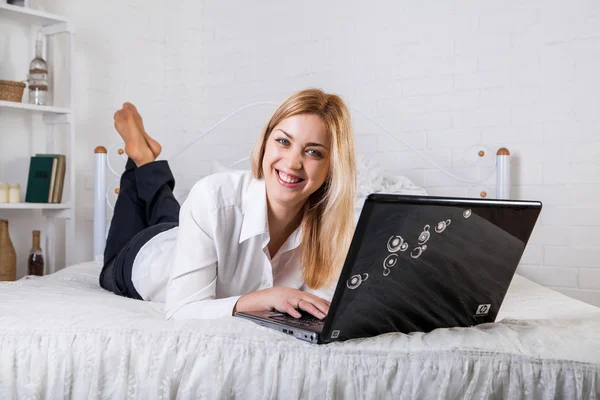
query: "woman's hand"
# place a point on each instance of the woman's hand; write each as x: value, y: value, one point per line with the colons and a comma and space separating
x: 285, y: 300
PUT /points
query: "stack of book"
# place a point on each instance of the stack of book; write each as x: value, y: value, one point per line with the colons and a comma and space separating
x: 46, y: 178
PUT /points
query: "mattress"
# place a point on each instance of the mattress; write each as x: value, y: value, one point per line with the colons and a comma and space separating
x: 62, y: 336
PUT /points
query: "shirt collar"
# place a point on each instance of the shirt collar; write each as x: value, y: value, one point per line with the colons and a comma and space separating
x: 255, y: 220
x: 293, y: 241
x: 254, y: 207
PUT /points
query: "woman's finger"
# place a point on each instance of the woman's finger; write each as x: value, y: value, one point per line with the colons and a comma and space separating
x: 310, y: 308
x: 290, y: 309
x: 320, y: 304
x: 314, y: 299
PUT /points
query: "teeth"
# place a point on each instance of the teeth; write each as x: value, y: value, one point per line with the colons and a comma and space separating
x: 286, y: 178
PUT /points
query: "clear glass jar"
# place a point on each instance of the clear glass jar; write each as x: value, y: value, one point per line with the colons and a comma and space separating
x: 14, y: 193
x: 4, y: 192
x: 38, y: 76
x: 37, y: 95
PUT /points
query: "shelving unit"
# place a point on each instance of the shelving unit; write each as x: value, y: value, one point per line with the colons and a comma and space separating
x: 34, y: 206
x: 49, y: 25
x: 29, y: 16
x: 31, y: 107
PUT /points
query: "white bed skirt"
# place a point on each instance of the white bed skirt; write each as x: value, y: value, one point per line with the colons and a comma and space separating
x: 62, y: 336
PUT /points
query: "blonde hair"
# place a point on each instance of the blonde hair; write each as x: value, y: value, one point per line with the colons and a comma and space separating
x: 329, y: 212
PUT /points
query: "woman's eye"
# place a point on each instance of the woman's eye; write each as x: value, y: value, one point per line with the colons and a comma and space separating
x: 284, y: 142
x: 315, y: 153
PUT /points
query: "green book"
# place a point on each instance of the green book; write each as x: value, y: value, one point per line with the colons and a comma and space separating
x: 59, y: 177
x: 40, y: 179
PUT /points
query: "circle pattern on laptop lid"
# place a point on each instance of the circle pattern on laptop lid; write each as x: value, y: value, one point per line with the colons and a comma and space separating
x: 396, y: 243
x: 417, y: 251
x: 441, y: 226
x: 390, y: 260
x: 425, y: 235
x: 356, y: 280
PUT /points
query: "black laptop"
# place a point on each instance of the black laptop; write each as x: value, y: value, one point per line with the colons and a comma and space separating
x: 420, y: 263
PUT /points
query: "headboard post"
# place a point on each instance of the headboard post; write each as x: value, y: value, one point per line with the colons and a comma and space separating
x: 503, y: 173
x: 99, y: 202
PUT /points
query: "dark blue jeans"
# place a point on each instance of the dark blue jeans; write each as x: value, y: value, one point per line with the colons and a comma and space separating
x: 145, y: 207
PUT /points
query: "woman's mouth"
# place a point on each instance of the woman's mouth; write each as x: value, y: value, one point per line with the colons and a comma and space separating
x: 289, y: 181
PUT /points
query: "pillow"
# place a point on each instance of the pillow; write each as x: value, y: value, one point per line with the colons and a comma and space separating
x: 241, y: 164
x: 370, y: 179
x: 216, y: 167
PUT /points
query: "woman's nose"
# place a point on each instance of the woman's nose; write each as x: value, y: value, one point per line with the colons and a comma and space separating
x: 294, y: 161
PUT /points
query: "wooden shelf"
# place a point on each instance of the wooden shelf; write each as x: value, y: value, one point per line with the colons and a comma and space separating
x: 34, y: 206
x: 33, y: 107
x: 29, y: 16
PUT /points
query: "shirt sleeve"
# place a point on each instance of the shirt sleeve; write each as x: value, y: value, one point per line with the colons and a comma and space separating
x: 191, y: 290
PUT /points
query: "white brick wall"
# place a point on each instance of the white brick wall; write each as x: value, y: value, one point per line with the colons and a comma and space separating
x: 446, y: 76
x: 495, y: 74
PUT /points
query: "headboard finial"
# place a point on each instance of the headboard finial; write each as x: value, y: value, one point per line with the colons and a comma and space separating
x: 503, y: 151
x: 100, y: 149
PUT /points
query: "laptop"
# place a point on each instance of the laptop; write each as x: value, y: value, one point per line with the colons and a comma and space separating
x: 418, y: 263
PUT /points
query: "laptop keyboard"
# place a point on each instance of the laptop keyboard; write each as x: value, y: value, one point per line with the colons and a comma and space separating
x: 306, y: 320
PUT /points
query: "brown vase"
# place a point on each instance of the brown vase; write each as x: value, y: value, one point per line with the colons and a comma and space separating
x: 8, y: 256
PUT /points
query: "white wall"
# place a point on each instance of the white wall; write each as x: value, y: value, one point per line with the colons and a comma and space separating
x: 446, y: 76
x: 120, y: 56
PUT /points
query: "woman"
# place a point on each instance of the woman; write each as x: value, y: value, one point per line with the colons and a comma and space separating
x: 268, y: 239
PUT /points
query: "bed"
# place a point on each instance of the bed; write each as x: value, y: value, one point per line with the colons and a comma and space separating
x: 62, y: 336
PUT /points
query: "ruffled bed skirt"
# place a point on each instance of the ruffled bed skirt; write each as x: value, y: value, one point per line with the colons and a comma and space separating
x: 63, y: 337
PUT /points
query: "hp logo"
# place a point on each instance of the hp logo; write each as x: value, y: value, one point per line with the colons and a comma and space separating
x: 483, y: 309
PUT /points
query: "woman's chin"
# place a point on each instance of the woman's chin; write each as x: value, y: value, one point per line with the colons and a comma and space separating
x: 282, y: 195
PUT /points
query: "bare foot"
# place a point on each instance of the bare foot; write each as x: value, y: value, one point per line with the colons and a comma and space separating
x: 155, y: 147
x: 135, y: 145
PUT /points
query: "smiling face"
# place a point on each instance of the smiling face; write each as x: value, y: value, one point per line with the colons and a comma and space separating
x: 296, y: 159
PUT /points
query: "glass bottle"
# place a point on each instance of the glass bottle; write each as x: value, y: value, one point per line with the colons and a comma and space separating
x: 35, y: 262
x: 8, y: 256
x: 38, y: 75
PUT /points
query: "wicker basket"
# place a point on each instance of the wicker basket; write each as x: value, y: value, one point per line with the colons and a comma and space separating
x: 11, y: 90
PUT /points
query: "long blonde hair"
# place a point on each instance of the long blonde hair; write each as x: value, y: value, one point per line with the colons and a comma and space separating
x: 328, y: 221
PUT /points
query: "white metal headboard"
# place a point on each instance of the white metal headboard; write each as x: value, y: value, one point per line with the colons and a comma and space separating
x: 101, y: 162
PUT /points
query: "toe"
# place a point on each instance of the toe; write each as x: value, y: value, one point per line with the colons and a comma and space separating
x: 130, y: 106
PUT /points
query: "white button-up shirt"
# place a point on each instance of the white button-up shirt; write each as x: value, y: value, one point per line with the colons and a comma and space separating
x: 219, y: 251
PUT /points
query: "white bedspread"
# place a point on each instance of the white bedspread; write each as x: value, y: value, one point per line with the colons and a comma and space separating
x: 62, y: 336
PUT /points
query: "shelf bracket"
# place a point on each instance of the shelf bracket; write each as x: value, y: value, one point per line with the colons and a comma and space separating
x: 61, y: 214
x: 57, y: 119
x: 56, y: 29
